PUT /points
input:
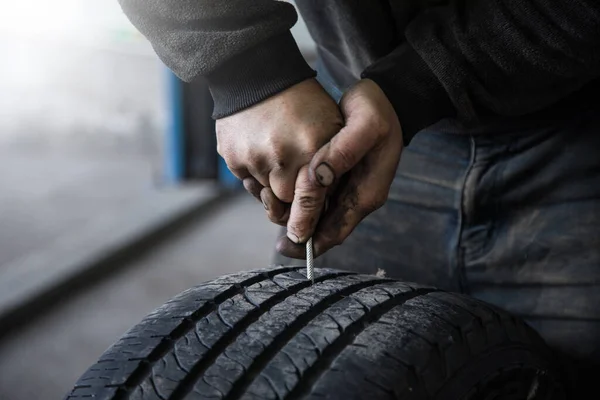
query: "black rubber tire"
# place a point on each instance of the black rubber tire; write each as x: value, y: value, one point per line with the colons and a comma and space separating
x: 270, y: 334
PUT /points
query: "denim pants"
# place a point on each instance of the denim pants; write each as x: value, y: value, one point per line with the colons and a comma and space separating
x: 508, y: 213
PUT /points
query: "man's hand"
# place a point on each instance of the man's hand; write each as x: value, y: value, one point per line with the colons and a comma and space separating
x: 359, y: 163
x: 270, y: 144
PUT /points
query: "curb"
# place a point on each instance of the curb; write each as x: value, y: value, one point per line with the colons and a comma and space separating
x: 33, y: 284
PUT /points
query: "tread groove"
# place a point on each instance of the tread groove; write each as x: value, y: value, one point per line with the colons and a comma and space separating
x: 187, y: 384
x: 143, y: 370
x: 294, y: 328
x: 160, y: 396
x: 314, y: 372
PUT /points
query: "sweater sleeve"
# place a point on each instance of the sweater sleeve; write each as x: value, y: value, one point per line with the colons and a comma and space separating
x: 470, y: 58
x: 244, y: 49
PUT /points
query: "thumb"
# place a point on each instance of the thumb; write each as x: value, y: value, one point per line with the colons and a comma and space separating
x: 306, y: 208
x: 345, y: 149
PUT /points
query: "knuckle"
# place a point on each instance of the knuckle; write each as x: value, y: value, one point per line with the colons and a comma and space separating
x: 239, y: 173
x: 251, y: 154
x: 232, y: 158
x: 279, y: 158
x: 345, y: 156
x: 310, y: 149
x: 379, y: 126
x: 247, y: 153
x: 235, y: 165
x: 309, y: 143
x: 278, y: 151
x: 308, y: 202
x: 295, y: 227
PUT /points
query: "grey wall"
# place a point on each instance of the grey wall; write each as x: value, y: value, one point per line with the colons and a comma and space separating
x: 75, y: 75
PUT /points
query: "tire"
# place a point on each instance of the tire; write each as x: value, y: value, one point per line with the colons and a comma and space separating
x: 270, y: 334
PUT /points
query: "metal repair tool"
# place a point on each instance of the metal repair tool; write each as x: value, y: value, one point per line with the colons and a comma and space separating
x: 310, y: 268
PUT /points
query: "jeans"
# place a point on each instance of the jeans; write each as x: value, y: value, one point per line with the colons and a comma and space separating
x: 508, y: 213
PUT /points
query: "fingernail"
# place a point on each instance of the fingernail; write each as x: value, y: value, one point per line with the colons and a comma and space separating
x: 293, y: 237
x: 324, y: 174
x: 265, y: 205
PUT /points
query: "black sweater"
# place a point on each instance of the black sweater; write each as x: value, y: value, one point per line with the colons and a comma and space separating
x: 434, y: 59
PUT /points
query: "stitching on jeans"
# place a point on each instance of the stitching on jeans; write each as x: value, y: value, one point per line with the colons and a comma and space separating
x: 459, y: 267
x: 492, y: 236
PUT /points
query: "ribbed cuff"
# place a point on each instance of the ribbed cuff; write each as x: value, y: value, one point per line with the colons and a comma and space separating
x: 257, y: 74
x: 417, y: 95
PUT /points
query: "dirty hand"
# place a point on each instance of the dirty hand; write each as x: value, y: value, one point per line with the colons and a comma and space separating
x: 269, y: 145
x: 359, y: 164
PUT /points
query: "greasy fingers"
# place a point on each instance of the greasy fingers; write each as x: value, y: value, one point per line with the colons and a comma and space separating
x: 364, y: 129
x: 365, y: 190
x: 309, y: 200
x: 277, y: 211
x: 290, y: 249
x: 282, y: 182
x: 358, y: 164
x: 253, y: 187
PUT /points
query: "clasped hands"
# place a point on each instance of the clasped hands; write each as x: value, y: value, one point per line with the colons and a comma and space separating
x: 298, y: 151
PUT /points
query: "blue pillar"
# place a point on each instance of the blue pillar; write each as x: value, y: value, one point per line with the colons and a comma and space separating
x: 175, y: 135
x: 175, y: 160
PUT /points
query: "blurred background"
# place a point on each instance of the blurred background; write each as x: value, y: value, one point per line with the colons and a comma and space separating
x: 112, y: 196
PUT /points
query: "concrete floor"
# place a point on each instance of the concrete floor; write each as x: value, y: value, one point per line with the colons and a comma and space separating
x: 43, y: 361
x: 46, y: 195
x: 59, y: 216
